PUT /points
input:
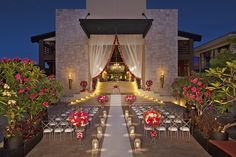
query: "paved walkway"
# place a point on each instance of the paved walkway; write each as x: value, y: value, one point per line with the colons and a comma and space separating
x: 116, y: 143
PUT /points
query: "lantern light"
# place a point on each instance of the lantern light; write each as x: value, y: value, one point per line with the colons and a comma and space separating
x: 102, y: 121
x: 137, y: 144
x: 104, y: 113
x: 95, y: 144
x: 129, y: 121
x: 126, y: 114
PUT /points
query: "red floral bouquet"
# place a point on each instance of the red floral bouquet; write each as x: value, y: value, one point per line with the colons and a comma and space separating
x: 149, y: 83
x: 102, y: 99
x: 152, y: 118
x: 130, y: 99
x: 83, y: 84
x: 79, y: 118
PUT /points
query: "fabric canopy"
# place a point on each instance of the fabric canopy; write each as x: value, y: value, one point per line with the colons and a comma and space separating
x: 100, y: 51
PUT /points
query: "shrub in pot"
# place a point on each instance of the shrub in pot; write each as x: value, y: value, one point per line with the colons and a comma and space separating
x: 25, y: 92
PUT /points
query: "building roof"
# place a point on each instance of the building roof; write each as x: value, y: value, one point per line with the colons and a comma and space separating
x: 195, y: 37
x: 48, y: 35
x: 217, y: 41
x: 116, y: 26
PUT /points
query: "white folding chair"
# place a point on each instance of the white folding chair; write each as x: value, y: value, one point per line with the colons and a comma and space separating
x: 47, y: 130
x: 185, y: 128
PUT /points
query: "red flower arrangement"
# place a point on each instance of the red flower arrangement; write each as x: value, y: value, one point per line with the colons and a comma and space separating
x: 83, y: 84
x: 79, y: 118
x: 102, y: 99
x: 149, y: 83
x: 152, y: 118
x: 130, y: 99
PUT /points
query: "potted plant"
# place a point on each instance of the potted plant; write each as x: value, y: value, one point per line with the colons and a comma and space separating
x: 31, y: 91
x: 223, y: 85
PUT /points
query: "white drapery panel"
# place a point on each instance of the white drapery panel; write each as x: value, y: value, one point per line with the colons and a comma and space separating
x: 100, y: 47
x: 131, y: 48
x: 132, y: 55
x: 99, y: 53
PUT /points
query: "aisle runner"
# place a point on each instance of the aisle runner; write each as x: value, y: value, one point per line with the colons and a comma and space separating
x: 116, y: 142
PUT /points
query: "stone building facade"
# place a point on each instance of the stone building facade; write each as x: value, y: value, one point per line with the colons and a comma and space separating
x: 160, y: 53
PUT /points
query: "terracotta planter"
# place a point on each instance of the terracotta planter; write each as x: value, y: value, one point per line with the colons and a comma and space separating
x: 219, y: 136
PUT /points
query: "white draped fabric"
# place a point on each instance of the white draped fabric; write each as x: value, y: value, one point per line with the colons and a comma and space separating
x: 100, y: 47
x: 99, y: 54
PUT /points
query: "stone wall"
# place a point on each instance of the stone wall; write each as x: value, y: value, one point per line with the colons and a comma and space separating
x: 71, y: 49
x: 160, y: 49
x: 161, y: 53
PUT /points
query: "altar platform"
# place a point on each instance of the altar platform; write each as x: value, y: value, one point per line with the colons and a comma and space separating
x: 116, y: 87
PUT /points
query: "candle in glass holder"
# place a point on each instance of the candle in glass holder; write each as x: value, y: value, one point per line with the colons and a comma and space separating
x: 104, y: 114
x: 95, y: 144
x: 137, y: 144
x: 126, y: 114
x: 102, y: 121
x: 129, y: 121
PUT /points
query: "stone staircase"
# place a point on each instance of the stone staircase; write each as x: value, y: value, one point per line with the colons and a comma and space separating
x: 123, y: 86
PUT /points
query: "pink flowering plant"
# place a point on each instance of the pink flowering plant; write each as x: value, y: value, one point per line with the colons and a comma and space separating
x: 196, y: 93
x: 33, y: 89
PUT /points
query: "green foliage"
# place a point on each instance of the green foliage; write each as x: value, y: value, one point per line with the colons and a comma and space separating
x: 221, y: 58
x: 223, y: 85
x: 24, y: 91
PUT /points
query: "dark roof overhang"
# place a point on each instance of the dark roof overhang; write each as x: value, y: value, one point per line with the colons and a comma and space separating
x: 116, y: 26
x: 195, y: 37
x: 37, y: 38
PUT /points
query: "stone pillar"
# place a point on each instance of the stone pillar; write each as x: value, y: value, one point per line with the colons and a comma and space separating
x: 161, y: 52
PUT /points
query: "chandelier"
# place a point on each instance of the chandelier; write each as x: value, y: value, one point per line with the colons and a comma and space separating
x: 117, y: 66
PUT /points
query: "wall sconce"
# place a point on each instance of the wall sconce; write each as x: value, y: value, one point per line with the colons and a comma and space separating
x: 70, y: 81
x: 95, y: 144
x: 137, y: 144
x: 104, y: 114
x: 102, y: 121
x: 99, y: 132
x: 126, y: 114
x: 162, y: 80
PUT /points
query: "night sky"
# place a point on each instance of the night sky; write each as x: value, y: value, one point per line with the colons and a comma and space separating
x: 21, y: 19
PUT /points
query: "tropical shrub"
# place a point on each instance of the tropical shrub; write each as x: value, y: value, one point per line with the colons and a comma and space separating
x: 31, y: 92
